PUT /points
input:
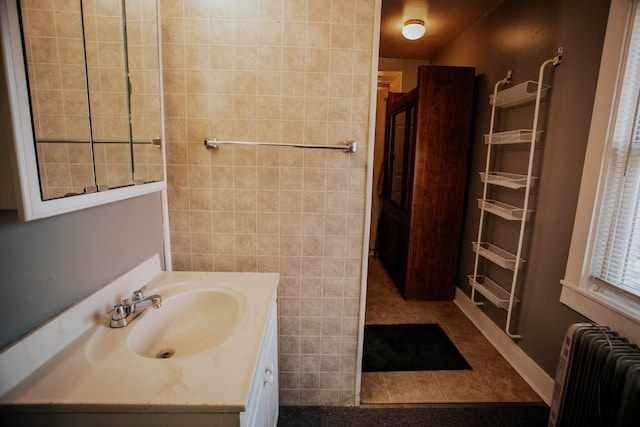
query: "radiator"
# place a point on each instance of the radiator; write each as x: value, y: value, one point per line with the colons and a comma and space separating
x: 597, y: 380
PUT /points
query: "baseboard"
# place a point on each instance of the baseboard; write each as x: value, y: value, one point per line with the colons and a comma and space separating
x: 529, y: 370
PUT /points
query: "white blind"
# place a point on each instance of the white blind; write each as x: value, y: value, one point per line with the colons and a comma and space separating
x: 616, y: 257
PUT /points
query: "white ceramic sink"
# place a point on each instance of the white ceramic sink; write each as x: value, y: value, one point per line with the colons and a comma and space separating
x: 186, y: 324
x: 213, y: 321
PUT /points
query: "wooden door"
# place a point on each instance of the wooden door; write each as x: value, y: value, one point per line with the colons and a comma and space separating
x: 395, y: 218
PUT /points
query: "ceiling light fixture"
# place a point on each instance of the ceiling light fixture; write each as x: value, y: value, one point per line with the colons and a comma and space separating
x: 413, y: 29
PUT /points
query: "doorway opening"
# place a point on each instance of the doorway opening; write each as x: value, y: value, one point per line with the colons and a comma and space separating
x: 491, y: 378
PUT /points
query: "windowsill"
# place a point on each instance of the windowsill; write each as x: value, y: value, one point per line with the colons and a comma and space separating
x: 605, y: 308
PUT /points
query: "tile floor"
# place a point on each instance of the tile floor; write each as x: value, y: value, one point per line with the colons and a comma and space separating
x: 491, y: 378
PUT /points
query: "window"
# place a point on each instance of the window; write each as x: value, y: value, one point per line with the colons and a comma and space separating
x: 602, y: 278
x: 616, y: 257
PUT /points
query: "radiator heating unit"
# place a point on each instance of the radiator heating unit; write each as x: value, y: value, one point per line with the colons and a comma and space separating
x: 597, y: 380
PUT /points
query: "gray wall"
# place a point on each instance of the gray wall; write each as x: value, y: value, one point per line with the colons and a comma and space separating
x: 520, y: 35
x: 49, y: 264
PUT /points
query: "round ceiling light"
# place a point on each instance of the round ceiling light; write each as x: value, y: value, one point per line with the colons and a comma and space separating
x: 413, y: 29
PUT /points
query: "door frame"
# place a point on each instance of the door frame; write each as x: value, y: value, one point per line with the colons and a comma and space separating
x: 375, y: 49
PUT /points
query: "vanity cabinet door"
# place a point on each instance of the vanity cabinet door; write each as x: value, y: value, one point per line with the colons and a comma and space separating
x: 263, y: 407
x: 260, y: 414
x: 271, y: 389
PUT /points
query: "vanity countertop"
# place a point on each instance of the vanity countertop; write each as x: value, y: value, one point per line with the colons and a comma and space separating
x: 114, y: 377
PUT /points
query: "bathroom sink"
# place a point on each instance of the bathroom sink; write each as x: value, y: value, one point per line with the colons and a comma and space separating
x: 186, y: 324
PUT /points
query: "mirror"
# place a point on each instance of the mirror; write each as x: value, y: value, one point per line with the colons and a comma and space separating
x: 401, y: 123
x: 94, y: 146
x: 397, y: 156
x: 94, y: 92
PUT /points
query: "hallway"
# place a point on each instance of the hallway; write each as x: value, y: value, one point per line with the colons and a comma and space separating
x: 491, y: 379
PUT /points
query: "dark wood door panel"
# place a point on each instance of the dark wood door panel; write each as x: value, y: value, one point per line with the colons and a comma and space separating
x: 394, y: 238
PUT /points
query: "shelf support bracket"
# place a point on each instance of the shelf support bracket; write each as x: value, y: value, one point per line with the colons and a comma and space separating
x: 558, y: 58
x: 507, y: 79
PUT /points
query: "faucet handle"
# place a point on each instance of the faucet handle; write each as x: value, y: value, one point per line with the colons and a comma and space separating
x: 139, y: 294
x: 118, y: 312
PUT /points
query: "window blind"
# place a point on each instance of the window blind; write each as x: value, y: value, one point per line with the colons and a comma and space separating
x: 616, y: 256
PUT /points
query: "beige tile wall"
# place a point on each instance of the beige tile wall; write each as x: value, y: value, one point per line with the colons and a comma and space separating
x: 275, y: 70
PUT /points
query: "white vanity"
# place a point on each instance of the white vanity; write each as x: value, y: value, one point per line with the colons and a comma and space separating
x: 207, y: 356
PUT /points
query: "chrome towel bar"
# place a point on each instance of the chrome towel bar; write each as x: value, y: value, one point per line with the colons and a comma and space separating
x: 346, y: 146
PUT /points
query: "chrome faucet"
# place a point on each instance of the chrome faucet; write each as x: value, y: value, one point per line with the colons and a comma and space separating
x: 125, y: 313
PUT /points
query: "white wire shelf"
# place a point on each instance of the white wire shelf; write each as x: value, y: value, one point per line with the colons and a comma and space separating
x: 519, y: 136
x: 505, y: 179
x: 503, y: 210
x: 528, y: 93
x: 519, y: 94
x: 497, y: 255
x: 491, y: 291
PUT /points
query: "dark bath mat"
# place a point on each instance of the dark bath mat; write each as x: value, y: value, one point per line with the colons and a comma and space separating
x: 409, y: 347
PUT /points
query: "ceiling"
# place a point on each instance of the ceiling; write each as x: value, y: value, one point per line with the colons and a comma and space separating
x: 444, y: 20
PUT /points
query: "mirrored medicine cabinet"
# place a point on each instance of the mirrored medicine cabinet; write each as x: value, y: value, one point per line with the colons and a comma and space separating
x: 85, y: 96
